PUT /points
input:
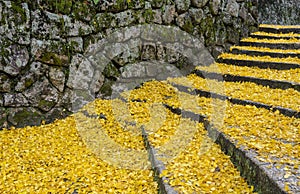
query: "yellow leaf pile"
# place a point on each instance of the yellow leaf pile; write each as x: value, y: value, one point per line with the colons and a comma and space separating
x: 291, y: 75
x: 115, y: 122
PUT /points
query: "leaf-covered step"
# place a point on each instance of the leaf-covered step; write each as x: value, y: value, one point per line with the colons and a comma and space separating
x: 209, y: 94
x: 271, y: 43
x: 265, y: 35
x: 263, y: 65
x: 289, y: 75
x: 287, y: 98
x: 236, y: 78
x: 201, y: 166
x: 263, y: 51
x: 279, y: 28
x: 259, y: 61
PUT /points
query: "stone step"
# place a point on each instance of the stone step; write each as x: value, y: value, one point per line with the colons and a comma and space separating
x: 260, y: 81
x: 263, y: 53
x: 203, y: 93
x: 260, y: 64
x: 279, y: 29
x: 290, y: 75
x: 287, y: 98
x: 271, y: 45
x: 273, y: 37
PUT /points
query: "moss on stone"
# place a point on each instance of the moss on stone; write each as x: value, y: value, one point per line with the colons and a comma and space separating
x: 82, y: 11
x: 19, y: 9
x: 28, y: 82
x: 106, y: 89
x: 62, y: 6
x: 26, y: 117
x: 132, y: 4
x: 148, y: 15
x: 188, y: 26
x: 111, y: 71
x: 119, y: 5
x: 45, y: 104
x: 51, y: 57
x: 102, y: 21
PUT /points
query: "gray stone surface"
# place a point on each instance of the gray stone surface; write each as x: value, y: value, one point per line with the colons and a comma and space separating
x: 42, y: 95
x: 169, y: 14
x: 214, y: 6
x: 196, y: 15
x: 182, y: 5
x: 57, y: 78
x: 279, y: 12
x: 24, y: 116
x: 15, y: 100
x: 15, y: 21
x: 135, y: 74
x: 3, y: 117
x: 17, y: 58
x: 53, y: 52
x: 26, y: 81
x: 5, y: 83
x: 81, y: 73
x: 233, y: 8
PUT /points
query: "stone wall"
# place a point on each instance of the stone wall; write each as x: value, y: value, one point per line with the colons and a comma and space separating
x: 284, y: 12
x: 40, y: 41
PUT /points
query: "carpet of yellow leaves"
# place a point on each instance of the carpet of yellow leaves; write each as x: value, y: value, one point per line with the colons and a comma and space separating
x: 53, y: 158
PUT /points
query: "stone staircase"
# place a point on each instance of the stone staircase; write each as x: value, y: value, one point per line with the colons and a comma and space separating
x: 263, y: 173
x: 230, y: 127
